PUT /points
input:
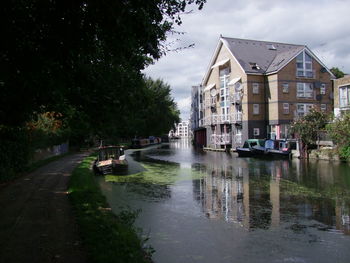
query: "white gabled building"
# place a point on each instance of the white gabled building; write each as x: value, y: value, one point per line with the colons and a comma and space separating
x: 182, y: 129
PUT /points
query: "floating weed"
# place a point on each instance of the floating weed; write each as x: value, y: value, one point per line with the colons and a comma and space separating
x: 158, y: 173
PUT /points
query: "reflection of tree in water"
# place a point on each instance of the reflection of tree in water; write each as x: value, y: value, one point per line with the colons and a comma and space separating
x: 260, y: 206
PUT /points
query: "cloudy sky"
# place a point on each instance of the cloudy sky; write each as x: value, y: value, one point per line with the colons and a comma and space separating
x: 322, y: 25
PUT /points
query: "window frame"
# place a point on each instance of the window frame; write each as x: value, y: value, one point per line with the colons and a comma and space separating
x: 304, y: 90
x: 323, y: 107
x: 256, y: 109
x: 323, y: 89
x: 344, y: 96
x: 255, y: 88
x: 256, y: 131
x: 306, y: 108
x: 304, y: 65
x: 285, y: 87
x: 286, y: 110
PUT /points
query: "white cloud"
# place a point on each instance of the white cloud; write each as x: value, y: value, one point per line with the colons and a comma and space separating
x: 185, y: 105
x: 321, y: 25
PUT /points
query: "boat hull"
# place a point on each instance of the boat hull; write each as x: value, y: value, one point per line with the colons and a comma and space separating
x: 244, y: 152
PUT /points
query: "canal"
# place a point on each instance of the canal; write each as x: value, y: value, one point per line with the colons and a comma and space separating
x: 215, y: 207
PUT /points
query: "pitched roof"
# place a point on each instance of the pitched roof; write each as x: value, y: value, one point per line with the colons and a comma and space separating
x: 261, y: 57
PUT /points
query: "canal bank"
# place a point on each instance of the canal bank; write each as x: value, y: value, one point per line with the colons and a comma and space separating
x: 213, y: 207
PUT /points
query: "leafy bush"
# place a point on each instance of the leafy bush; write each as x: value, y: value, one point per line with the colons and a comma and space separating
x: 339, y: 131
x: 344, y: 152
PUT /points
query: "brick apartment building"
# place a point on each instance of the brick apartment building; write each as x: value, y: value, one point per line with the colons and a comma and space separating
x: 255, y: 89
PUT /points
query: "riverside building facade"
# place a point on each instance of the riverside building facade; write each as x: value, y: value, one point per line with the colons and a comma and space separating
x: 255, y: 89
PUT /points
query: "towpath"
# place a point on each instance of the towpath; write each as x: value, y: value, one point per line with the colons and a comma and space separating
x: 36, y: 218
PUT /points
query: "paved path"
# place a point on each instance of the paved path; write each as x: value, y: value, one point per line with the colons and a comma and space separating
x: 36, y: 219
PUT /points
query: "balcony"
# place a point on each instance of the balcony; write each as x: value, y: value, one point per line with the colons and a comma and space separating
x: 215, y: 119
x: 236, y: 98
x: 236, y: 117
x: 221, y: 139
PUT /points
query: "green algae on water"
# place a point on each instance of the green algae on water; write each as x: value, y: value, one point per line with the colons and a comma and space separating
x: 158, y: 173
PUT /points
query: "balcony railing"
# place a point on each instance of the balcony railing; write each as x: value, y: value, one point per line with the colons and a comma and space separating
x: 221, y: 139
x: 236, y: 98
x: 215, y: 119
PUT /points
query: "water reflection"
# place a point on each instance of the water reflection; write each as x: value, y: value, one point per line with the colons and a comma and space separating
x: 184, y: 143
x: 214, y: 207
x: 261, y: 194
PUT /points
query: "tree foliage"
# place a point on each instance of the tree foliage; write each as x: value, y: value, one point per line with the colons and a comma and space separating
x: 82, y: 59
x: 337, y: 72
x: 339, y: 130
x: 84, y: 53
x: 307, y: 127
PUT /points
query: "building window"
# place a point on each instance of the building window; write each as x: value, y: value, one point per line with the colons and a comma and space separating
x: 323, y: 107
x: 224, y: 80
x: 285, y: 108
x: 304, y: 65
x: 284, y: 131
x: 305, y: 90
x: 225, y: 71
x: 255, y: 109
x: 344, y: 96
x: 285, y: 88
x: 256, y: 131
x: 323, y: 89
x: 255, y: 88
x: 303, y: 108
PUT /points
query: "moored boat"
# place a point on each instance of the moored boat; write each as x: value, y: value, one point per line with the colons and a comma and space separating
x: 138, y: 143
x: 278, y: 148
x: 110, y: 160
x: 251, y: 147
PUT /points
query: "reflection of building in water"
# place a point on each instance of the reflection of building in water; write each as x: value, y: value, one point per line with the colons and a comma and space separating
x: 224, y: 193
x: 183, y: 143
x: 342, y: 212
x: 255, y: 195
x: 236, y: 194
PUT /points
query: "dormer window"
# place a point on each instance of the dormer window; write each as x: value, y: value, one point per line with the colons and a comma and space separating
x: 254, y: 65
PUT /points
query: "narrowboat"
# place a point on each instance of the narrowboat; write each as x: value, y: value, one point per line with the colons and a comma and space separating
x: 110, y: 160
x: 251, y: 147
x: 278, y: 148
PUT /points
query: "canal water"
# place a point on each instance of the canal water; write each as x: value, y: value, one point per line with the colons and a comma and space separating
x: 215, y: 207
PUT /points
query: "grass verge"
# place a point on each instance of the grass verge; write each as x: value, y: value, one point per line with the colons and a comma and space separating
x: 106, y: 236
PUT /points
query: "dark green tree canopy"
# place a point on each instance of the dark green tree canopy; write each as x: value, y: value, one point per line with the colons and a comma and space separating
x: 57, y: 50
x: 82, y: 60
x: 337, y: 72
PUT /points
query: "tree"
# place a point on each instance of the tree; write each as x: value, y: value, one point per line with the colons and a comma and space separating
x: 60, y: 53
x: 306, y: 130
x: 337, y: 72
x: 339, y: 130
x: 82, y: 60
